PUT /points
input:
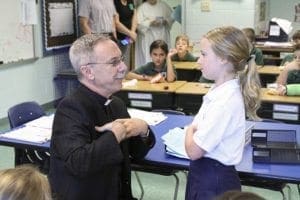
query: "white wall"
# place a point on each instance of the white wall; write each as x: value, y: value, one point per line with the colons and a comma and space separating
x: 284, y: 9
x: 30, y: 80
x: 26, y: 82
x: 239, y: 13
x: 176, y: 28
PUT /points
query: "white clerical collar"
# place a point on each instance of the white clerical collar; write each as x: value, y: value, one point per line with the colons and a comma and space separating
x: 107, y: 102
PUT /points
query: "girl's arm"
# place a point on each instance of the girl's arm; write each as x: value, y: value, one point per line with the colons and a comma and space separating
x: 171, y: 75
x: 192, y: 149
x: 133, y: 75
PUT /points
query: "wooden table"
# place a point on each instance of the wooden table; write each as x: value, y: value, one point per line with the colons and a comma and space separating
x: 188, y: 71
x: 270, y: 69
x: 150, y: 96
x: 272, y: 52
x: 283, y: 108
x: 189, y: 96
x: 268, y: 74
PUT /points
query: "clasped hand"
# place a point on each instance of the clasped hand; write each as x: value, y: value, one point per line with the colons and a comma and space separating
x: 125, y: 128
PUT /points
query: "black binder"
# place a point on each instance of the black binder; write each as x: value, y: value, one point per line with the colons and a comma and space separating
x: 275, y: 146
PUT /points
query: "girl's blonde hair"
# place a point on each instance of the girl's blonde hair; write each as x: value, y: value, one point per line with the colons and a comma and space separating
x: 24, y: 182
x: 231, y: 44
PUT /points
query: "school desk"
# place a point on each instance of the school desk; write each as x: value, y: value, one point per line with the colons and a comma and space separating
x: 272, y: 52
x: 157, y: 155
x: 187, y: 71
x: 279, y: 172
x: 268, y: 73
x: 150, y: 96
x: 284, y: 108
x: 189, y: 96
x: 270, y: 173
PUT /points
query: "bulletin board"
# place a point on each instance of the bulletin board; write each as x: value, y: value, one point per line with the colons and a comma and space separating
x: 16, y: 39
x: 60, y: 25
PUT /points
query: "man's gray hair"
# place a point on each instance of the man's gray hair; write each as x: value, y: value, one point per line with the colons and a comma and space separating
x: 82, y: 50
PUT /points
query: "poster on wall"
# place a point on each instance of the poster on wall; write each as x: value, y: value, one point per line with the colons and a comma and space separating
x: 297, y: 13
x: 262, y: 11
x: 60, y: 25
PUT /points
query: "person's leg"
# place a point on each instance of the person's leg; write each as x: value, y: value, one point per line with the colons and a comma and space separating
x: 209, y: 178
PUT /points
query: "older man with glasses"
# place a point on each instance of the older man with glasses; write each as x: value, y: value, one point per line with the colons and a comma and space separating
x: 93, y: 135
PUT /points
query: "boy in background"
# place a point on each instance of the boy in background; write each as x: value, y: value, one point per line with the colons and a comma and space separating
x: 182, y: 50
x: 290, y: 57
x: 259, y: 59
x: 291, y: 71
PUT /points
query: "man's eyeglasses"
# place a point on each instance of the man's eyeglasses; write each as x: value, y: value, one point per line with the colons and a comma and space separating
x: 114, y: 62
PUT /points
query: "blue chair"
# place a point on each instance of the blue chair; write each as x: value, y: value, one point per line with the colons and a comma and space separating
x: 19, y: 115
x: 154, y: 169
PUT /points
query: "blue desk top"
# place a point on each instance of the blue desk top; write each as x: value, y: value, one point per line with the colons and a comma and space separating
x: 157, y: 155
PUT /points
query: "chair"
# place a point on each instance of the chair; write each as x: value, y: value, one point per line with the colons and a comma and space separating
x: 19, y: 115
x: 154, y: 169
x: 263, y: 183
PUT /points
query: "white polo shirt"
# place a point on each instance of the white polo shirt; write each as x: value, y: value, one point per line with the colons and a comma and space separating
x: 221, y: 123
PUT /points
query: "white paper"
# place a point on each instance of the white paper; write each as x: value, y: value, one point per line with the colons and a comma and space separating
x: 28, y: 12
x: 151, y: 118
x: 29, y: 134
x: 42, y: 122
x: 274, y: 30
x: 132, y: 82
x: 284, y: 24
x: 61, y: 19
x: 174, y: 140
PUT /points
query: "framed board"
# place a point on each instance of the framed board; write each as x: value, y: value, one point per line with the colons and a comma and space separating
x: 60, y: 25
x: 16, y: 39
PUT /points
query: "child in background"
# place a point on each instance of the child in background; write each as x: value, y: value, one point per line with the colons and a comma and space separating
x: 288, y: 90
x: 160, y: 69
x: 259, y: 58
x: 291, y: 71
x: 182, y: 53
x: 24, y: 182
x: 290, y: 57
x: 215, y: 140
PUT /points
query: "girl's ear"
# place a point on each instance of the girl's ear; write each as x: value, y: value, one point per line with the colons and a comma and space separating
x: 223, y: 60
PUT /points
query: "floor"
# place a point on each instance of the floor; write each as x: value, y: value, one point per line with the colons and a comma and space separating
x: 155, y: 186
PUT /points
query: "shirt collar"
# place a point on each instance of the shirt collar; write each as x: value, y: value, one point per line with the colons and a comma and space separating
x: 102, y: 100
x: 162, y: 69
x: 218, y: 92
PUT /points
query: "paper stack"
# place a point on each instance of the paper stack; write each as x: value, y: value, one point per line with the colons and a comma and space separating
x: 36, y: 131
x: 152, y: 118
x: 174, y: 141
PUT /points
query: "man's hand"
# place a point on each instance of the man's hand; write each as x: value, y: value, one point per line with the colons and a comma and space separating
x: 134, y: 126
x: 118, y: 129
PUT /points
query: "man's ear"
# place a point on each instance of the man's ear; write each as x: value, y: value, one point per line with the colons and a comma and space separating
x: 87, y: 72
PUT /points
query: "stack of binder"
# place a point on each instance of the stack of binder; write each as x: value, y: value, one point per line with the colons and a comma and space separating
x: 275, y: 146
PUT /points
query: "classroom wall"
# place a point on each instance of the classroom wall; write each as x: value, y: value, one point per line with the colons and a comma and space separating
x: 238, y: 13
x: 30, y: 80
x: 284, y: 10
